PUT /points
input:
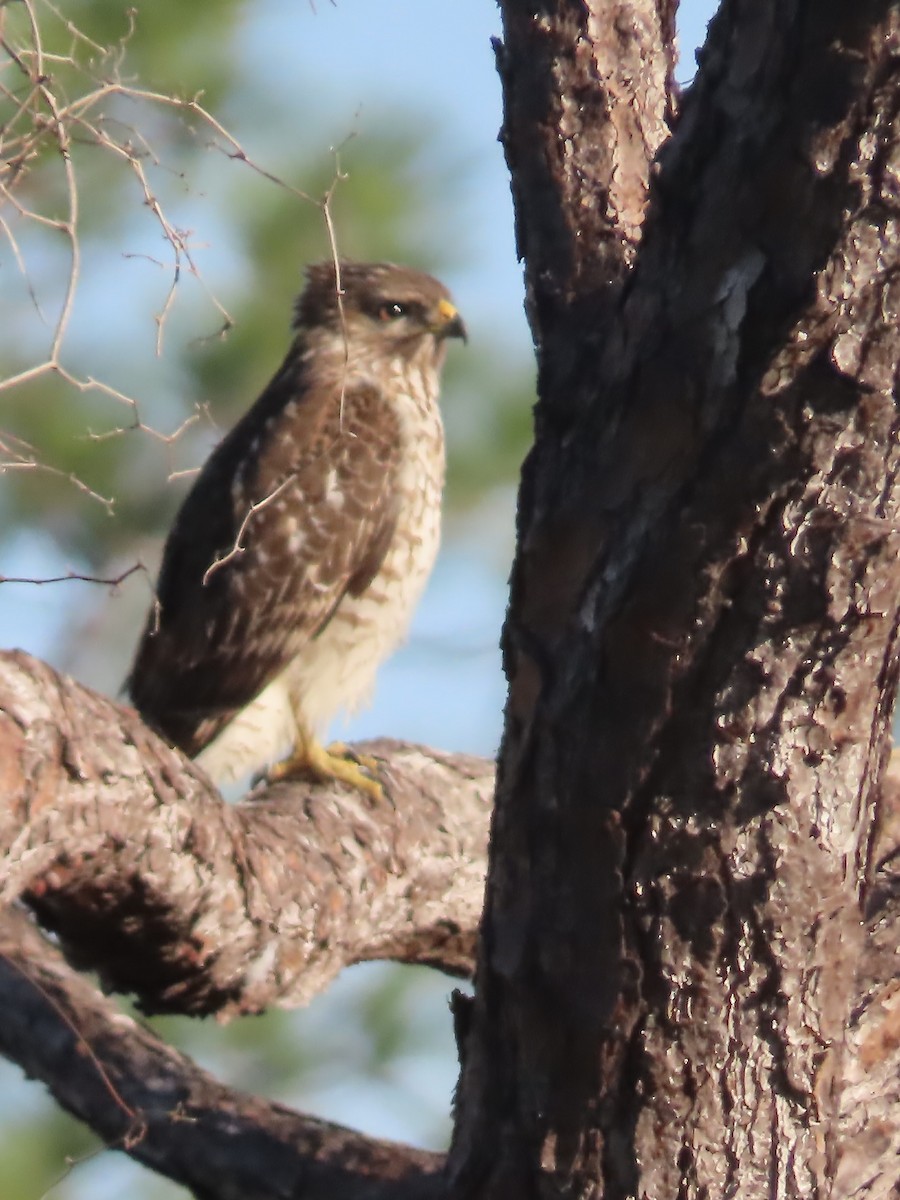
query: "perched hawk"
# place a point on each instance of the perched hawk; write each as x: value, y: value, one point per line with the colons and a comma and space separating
x: 296, y: 560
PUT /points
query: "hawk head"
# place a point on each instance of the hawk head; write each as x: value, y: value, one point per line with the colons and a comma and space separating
x: 378, y: 311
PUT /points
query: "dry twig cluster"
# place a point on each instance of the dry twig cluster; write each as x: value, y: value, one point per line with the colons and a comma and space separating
x: 59, y: 110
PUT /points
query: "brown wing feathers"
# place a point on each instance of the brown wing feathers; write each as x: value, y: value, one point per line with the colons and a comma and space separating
x: 321, y: 469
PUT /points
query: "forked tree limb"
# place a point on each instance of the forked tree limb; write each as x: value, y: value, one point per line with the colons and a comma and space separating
x: 125, y: 850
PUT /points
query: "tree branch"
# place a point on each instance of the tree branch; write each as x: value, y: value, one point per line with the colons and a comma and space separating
x: 146, y: 1099
x: 123, y: 848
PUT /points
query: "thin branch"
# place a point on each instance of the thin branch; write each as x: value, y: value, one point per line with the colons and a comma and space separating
x: 29, y: 972
x: 238, y: 548
x: 61, y: 107
x: 23, y: 457
x: 112, y: 582
x: 23, y: 270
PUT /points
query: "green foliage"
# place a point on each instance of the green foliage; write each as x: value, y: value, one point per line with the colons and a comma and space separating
x: 165, y: 45
x: 486, y: 436
x: 34, y: 1153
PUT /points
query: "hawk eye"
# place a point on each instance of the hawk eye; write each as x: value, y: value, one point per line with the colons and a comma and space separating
x: 393, y: 309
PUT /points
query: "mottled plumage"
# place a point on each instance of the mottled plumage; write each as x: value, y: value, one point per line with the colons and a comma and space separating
x: 297, y: 558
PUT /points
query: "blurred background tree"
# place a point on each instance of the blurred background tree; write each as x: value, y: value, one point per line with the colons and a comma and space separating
x: 184, y: 153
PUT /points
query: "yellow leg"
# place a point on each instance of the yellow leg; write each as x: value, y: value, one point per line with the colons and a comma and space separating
x: 310, y: 757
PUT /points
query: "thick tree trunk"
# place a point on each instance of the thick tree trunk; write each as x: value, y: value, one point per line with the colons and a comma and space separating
x: 702, y: 638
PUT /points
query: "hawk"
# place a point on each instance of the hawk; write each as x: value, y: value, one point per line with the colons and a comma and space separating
x: 297, y: 558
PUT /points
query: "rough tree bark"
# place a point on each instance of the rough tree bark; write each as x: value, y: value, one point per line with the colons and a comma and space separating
x: 702, y: 639
x: 686, y: 977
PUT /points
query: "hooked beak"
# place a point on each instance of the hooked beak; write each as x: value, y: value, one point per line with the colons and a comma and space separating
x: 449, y: 323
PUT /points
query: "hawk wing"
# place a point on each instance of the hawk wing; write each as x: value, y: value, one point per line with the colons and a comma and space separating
x: 295, y: 508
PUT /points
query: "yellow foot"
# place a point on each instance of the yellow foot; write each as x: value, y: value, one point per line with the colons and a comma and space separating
x: 342, y: 750
x: 337, y: 762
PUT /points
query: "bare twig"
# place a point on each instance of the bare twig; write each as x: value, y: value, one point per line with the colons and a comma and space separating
x: 58, y: 105
x: 111, y: 582
x: 238, y: 548
x: 23, y: 457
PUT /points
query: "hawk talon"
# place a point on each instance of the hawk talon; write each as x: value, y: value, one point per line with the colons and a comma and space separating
x: 312, y: 758
x: 342, y: 750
